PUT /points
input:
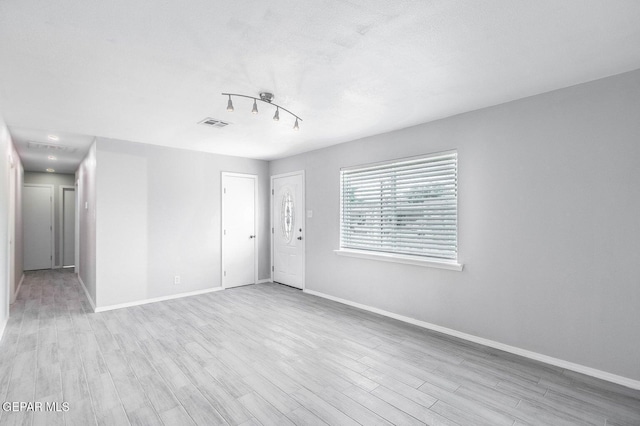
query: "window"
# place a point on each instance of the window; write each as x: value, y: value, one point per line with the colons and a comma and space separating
x: 402, y: 210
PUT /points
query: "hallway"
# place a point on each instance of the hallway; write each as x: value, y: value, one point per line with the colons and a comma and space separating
x: 42, y: 340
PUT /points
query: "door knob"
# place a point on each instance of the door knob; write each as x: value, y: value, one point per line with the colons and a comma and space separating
x: 252, y: 236
x: 299, y: 238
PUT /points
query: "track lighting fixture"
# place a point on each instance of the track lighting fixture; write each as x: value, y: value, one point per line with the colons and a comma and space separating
x: 266, y: 98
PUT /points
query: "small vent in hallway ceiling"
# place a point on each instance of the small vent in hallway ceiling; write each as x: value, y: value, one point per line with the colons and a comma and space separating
x: 212, y: 122
x: 37, y: 146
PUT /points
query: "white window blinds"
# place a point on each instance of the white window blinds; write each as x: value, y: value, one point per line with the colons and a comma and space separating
x: 406, y: 207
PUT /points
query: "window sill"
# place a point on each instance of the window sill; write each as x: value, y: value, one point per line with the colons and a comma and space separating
x: 399, y: 258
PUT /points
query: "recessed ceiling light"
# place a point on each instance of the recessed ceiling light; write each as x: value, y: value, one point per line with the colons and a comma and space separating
x: 50, y: 170
x: 52, y: 157
x: 53, y: 137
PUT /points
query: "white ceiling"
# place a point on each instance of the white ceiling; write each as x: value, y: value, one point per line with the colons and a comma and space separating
x: 148, y: 71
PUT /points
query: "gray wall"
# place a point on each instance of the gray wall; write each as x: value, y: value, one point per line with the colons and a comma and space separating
x: 6, y: 148
x: 57, y: 180
x: 86, y: 176
x: 18, y: 251
x: 548, y: 225
x: 159, y: 216
x: 9, y: 165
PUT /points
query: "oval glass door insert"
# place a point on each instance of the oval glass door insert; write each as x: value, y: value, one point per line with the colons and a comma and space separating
x: 287, y: 217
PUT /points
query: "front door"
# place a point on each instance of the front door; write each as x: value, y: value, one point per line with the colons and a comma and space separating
x: 288, y: 229
x: 239, y: 239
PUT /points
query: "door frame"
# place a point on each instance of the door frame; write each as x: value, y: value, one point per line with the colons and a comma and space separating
x: 11, y: 271
x: 61, y: 190
x: 304, y: 222
x: 76, y: 259
x: 256, y: 214
x: 53, y: 240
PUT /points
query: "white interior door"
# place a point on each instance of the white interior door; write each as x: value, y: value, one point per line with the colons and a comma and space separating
x: 68, y: 226
x: 37, y: 211
x: 287, y: 221
x: 239, y: 239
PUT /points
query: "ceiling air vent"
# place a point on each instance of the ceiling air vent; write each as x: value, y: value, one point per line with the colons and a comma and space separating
x: 212, y: 122
x: 37, y: 146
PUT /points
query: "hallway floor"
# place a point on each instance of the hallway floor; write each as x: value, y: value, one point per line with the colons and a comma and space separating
x: 269, y: 354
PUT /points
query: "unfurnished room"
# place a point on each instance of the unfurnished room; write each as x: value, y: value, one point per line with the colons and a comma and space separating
x: 339, y: 212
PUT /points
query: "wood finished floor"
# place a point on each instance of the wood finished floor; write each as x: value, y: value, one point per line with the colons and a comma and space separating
x: 269, y: 354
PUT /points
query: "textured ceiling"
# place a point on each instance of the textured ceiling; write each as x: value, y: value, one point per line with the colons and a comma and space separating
x: 148, y: 71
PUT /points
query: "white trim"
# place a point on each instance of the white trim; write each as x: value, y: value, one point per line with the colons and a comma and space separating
x: 400, y: 258
x: 76, y: 255
x: 265, y: 280
x: 271, y: 264
x: 53, y: 221
x: 11, y: 230
x: 61, y: 190
x: 19, y: 285
x: 3, y: 326
x: 86, y: 292
x: 255, y: 223
x: 304, y: 220
x: 599, y: 374
x: 413, y: 158
x: 156, y: 299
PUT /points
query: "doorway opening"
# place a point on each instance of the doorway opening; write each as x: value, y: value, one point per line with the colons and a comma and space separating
x: 67, y: 226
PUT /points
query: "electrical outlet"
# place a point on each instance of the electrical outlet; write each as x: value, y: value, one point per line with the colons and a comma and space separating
x: 176, y: 279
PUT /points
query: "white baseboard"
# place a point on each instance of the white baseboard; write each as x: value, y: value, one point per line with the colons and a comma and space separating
x: 86, y: 292
x: 155, y: 299
x: 19, y: 285
x: 265, y: 280
x: 3, y: 325
x: 3, y: 322
x: 599, y: 374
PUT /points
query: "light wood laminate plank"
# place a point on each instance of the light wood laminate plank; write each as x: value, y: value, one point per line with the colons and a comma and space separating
x: 272, y: 354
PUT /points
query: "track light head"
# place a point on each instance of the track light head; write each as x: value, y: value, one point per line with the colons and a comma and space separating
x: 265, y: 97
